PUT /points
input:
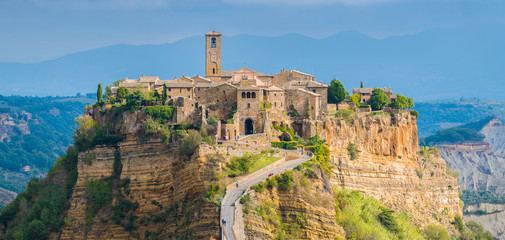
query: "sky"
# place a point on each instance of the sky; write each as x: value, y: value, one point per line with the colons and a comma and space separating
x: 38, y: 30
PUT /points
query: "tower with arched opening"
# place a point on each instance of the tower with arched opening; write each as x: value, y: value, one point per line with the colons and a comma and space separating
x: 212, y: 54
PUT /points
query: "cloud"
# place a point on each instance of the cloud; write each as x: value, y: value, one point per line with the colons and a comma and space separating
x: 100, y: 4
x: 312, y: 2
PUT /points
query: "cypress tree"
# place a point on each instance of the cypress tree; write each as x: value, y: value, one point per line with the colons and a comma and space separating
x: 361, y: 84
x: 164, y: 96
x: 99, y: 93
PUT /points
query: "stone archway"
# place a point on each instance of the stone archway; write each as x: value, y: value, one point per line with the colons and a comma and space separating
x: 249, y: 126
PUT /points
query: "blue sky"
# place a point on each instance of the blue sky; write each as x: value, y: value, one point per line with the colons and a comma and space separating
x: 36, y: 30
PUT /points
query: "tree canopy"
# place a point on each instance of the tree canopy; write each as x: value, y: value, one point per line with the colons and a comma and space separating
x: 402, y: 102
x: 336, y: 92
x: 378, y: 100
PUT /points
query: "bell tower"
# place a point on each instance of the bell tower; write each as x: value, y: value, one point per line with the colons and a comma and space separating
x: 212, y: 54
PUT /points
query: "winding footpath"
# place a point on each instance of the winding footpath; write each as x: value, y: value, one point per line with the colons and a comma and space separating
x: 234, y: 193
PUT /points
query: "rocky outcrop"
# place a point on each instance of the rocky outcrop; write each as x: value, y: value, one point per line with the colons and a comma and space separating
x: 168, y: 189
x: 479, y: 166
x: 389, y: 167
x: 306, y: 212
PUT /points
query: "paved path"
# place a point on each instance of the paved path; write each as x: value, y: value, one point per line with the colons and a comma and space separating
x: 228, y: 204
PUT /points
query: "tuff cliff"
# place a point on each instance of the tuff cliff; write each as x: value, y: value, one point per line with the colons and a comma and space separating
x: 378, y: 155
x: 156, y: 192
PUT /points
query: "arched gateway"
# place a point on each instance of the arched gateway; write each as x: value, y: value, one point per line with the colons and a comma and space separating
x: 249, y: 126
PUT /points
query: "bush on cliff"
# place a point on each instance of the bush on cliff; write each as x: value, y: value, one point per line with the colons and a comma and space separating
x: 365, y: 217
x: 162, y: 114
x: 189, y: 144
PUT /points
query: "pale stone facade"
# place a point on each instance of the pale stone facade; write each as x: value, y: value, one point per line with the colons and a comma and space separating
x: 259, y: 99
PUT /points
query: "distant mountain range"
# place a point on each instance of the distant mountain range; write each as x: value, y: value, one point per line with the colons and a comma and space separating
x: 464, y: 61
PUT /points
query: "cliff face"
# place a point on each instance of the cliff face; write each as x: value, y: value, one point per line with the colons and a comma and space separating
x: 479, y: 166
x: 168, y: 190
x: 389, y: 168
x: 156, y: 192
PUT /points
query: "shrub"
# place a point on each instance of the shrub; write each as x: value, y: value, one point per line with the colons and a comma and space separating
x: 285, y: 180
x: 388, y: 220
x: 419, y: 173
x: 245, y: 198
x: 241, y: 165
x: 352, y: 150
x: 162, y: 114
x: 436, y: 232
x: 414, y: 113
x: 347, y: 115
x: 190, y: 143
x: 271, y: 182
x: 258, y: 187
x: 458, y: 223
x: 134, y: 100
x: 285, y: 144
x: 214, y: 188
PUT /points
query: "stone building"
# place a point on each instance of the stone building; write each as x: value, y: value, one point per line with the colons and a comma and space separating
x: 366, y: 93
x: 244, y: 101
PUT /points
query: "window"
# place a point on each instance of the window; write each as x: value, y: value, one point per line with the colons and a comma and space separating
x: 275, y: 104
x: 217, y: 100
x: 189, y: 89
x: 313, y: 89
x: 169, y: 97
x: 281, y: 104
x: 213, y: 42
x: 169, y: 89
x: 275, y: 94
x: 243, y: 94
x: 253, y: 95
x: 189, y: 96
x: 213, y: 71
x: 180, y: 90
x: 248, y: 105
x: 248, y: 95
x: 226, y: 99
x: 312, y: 108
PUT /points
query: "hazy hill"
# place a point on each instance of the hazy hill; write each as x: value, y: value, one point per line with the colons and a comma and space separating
x: 453, y: 62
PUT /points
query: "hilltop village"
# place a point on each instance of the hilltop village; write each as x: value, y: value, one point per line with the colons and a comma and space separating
x: 239, y: 100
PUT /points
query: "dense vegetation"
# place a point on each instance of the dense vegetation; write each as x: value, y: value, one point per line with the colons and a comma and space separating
x: 464, y: 133
x: 471, y: 197
x: 50, y: 126
x: 39, y: 210
x: 438, y: 115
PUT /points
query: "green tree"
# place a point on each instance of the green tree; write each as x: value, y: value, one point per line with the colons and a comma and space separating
x: 108, y: 93
x: 336, y: 92
x: 99, y: 93
x: 37, y: 230
x: 122, y: 93
x: 356, y: 98
x: 361, y: 84
x: 378, y: 100
x: 134, y: 100
x: 164, y: 96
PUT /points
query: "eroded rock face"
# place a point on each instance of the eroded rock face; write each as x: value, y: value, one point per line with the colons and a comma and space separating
x: 389, y: 168
x: 307, y: 211
x: 159, y: 180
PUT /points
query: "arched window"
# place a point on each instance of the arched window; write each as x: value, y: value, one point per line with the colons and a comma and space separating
x: 248, y: 95
x: 213, y: 42
x: 253, y: 95
x: 243, y: 94
x: 313, y: 90
x: 213, y: 71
